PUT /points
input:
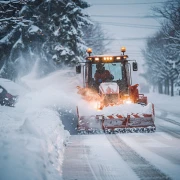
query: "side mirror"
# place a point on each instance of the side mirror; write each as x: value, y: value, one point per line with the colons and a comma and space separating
x: 135, y: 66
x: 78, y: 69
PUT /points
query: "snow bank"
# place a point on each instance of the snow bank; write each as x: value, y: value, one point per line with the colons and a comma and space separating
x: 32, y: 136
x: 165, y: 102
x: 31, y: 144
x: 86, y: 109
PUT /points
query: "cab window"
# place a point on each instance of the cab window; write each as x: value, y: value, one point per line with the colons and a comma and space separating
x: 114, y: 68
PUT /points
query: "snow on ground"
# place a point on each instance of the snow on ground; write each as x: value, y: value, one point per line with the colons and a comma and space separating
x: 113, y: 164
x: 158, y: 148
x: 166, y: 106
x: 32, y: 136
x: 162, y: 147
x: 165, y: 102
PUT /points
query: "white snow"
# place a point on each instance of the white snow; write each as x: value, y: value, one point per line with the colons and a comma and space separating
x: 100, y: 149
x: 164, y: 102
x: 32, y: 136
x: 55, y: 57
x: 158, y: 148
x: 86, y: 109
x: 34, y: 29
x: 56, y: 32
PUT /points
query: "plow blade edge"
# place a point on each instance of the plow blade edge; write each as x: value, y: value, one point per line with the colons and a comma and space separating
x: 117, y: 123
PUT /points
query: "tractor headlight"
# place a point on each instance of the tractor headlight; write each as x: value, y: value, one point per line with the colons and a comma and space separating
x: 127, y: 101
x: 97, y: 106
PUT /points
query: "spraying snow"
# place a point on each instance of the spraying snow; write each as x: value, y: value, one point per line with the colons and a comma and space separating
x: 32, y: 136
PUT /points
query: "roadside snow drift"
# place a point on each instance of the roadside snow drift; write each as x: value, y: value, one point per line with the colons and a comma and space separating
x: 32, y: 136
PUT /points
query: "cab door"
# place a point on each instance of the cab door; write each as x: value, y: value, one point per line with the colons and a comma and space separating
x: 128, y: 73
x: 87, y: 71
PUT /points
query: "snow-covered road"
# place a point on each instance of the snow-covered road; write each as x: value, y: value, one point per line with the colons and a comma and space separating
x: 126, y: 156
x: 123, y: 156
x: 33, y: 138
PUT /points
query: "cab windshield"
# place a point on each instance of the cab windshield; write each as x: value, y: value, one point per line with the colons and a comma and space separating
x: 114, y: 68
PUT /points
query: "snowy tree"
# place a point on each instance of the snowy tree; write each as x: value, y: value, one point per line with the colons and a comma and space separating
x: 162, y: 53
x: 10, y: 32
x: 20, y: 36
x: 67, y: 45
x: 157, y: 57
x: 48, y: 30
x: 171, y: 27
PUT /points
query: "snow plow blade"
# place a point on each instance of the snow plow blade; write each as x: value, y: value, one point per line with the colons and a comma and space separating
x: 116, y: 124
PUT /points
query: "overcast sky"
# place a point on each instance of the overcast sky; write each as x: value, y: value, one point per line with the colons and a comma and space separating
x: 128, y: 22
x: 128, y: 25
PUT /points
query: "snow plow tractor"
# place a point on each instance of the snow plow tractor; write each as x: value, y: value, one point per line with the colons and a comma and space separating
x: 110, y: 103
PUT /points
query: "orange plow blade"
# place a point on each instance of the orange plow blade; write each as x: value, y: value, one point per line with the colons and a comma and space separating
x: 126, y: 121
x: 116, y: 123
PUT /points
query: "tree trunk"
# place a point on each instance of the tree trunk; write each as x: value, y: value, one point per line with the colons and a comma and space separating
x: 165, y: 87
x: 172, y: 87
x: 160, y: 88
x: 168, y: 91
x: 166, y: 84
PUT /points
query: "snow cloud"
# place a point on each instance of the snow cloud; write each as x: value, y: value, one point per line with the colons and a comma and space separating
x: 32, y: 136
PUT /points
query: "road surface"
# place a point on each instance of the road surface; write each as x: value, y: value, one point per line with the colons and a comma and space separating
x: 126, y: 156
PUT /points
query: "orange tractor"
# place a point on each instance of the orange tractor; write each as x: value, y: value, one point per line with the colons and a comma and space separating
x: 110, y: 103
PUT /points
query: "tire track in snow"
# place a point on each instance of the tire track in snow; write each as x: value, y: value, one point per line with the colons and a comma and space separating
x: 175, y: 135
x: 79, y: 163
x: 164, y: 114
x: 168, y: 120
x: 168, y: 126
x: 75, y: 165
x: 169, y: 131
x: 139, y: 165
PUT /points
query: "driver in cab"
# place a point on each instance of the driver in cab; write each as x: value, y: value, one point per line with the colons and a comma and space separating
x: 102, y: 74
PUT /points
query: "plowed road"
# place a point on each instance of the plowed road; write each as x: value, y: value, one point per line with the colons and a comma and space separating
x: 125, y: 156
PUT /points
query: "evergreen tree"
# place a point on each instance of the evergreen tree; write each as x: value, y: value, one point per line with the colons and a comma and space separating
x: 48, y: 30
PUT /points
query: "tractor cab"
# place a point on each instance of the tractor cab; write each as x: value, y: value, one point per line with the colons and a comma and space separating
x: 101, y: 69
